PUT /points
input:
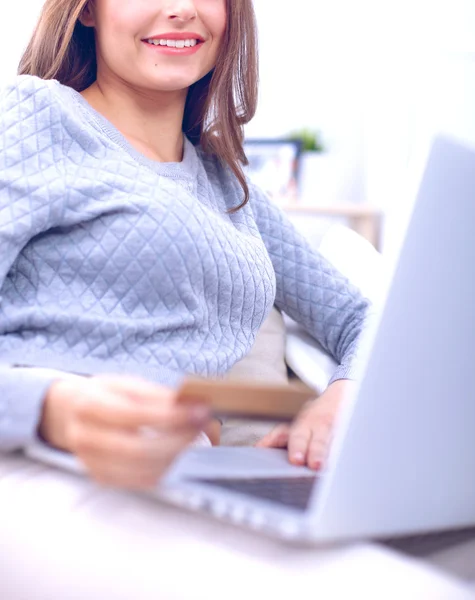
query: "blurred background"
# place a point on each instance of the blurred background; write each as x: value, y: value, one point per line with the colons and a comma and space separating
x: 365, y: 85
x: 378, y: 79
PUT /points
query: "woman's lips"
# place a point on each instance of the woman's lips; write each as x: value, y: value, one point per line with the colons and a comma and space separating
x: 173, y: 50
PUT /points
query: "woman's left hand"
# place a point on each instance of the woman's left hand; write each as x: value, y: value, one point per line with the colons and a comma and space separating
x: 308, y: 438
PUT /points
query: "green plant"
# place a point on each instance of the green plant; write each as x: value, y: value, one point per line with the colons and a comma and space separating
x: 311, y: 140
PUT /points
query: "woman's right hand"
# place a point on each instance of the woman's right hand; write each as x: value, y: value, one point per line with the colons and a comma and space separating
x: 125, y: 430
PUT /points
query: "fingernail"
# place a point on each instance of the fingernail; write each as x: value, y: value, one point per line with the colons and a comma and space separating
x: 316, y: 464
x: 199, y: 414
x: 298, y: 457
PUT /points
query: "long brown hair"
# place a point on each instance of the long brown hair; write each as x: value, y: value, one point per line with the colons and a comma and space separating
x: 217, y: 106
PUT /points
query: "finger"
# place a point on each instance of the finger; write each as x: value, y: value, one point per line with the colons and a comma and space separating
x: 299, y: 440
x: 319, y: 445
x: 121, y: 475
x: 132, y: 450
x: 95, y: 403
x: 118, y: 476
x: 128, y: 473
x: 139, y: 469
x: 277, y: 438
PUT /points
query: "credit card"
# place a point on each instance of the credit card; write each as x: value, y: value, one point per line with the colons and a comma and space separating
x: 246, y: 400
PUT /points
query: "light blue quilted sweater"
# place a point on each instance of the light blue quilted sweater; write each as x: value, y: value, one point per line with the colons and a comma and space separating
x: 111, y: 262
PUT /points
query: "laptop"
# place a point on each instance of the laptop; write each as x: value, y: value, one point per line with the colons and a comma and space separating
x: 403, y: 457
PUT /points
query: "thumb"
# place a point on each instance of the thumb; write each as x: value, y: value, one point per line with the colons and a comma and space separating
x: 277, y: 438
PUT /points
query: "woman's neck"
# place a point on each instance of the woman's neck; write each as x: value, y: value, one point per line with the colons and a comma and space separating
x: 151, y: 122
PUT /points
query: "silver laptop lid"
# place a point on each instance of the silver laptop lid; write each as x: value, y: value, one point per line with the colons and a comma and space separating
x: 404, y: 457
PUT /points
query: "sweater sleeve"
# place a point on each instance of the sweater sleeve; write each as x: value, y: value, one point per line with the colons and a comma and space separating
x: 310, y: 290
x: 21, y: 399
x: 31, y: 185
x: 31, y: 201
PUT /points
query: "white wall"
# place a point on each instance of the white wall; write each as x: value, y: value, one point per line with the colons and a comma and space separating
x: 16, y: 26
x: 426, y: 85
x: 312, y: 75
x: 378, y: 77
x: 443, y: 104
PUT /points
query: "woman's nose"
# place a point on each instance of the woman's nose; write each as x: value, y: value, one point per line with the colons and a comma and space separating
x: 181, y: 10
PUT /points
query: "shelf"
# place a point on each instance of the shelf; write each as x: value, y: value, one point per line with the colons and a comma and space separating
x: 366, y: 220
x: 343, y: 210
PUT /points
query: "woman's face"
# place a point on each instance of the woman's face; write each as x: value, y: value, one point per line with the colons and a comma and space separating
x: 157, y: 45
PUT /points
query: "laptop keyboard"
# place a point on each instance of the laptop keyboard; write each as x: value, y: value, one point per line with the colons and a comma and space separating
x: 294, y: 492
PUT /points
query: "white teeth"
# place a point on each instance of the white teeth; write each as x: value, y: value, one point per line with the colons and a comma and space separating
x: 173, y: 43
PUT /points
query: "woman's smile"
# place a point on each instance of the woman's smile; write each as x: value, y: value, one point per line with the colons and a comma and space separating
x: 178, y: 44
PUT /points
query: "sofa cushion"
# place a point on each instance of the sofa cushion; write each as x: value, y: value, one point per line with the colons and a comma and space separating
x: 265, y: 363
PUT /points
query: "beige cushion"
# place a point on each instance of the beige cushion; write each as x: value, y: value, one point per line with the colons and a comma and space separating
x: 266, y: 359
x: 264, y: 363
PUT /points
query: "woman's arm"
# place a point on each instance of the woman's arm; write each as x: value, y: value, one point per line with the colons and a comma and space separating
x: 92, y: 417
x: 31, y: 201
x: 315, y: 294
x: 310, y: 289
x: 32, y: 188
x: 21, y: 402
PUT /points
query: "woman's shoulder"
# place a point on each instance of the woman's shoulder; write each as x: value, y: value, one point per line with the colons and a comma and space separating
x: 32, y: 107
x: 28, y: 88
x: 28, y: 98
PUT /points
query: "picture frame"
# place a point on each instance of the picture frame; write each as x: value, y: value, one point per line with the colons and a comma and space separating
x: 274, y: 167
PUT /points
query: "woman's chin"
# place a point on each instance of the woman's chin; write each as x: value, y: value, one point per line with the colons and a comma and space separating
x: 175, y: 83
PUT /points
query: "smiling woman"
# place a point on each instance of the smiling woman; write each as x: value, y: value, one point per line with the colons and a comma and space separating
x: 102, y: 47
x: 134, y: 246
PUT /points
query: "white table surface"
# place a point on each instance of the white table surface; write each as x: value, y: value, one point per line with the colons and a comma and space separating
x: 63, y: 538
